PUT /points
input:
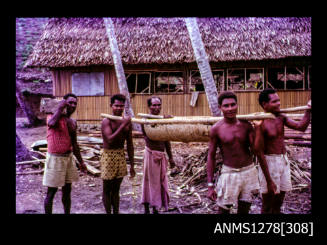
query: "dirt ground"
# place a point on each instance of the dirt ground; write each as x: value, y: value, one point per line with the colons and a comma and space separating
x: 87, y: 192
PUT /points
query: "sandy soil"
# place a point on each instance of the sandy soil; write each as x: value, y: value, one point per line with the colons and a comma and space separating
x: 87, y: 192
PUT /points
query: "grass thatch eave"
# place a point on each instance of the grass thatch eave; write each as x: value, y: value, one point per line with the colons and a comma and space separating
x: 83, y: 41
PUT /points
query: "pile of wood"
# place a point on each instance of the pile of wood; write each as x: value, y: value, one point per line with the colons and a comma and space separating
x: 297, y: 138
x: 90, y: 148
x: 35, y: 166
x: 194, y: 171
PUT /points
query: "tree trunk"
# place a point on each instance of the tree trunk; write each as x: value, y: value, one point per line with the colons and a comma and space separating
x: 123, y: 88
x: 203, y: 64
x: 26, y: 107
x: 22, y: 153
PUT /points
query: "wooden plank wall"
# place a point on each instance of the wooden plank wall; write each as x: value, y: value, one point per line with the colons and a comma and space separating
x: 90, y: 107
x: 179, y: 105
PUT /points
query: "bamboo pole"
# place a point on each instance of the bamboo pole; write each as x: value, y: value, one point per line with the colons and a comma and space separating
x: 292, y: 109
x: 150, y: 116
x: 285, y: 110
x: 196, y: 120
x: 188, y: 120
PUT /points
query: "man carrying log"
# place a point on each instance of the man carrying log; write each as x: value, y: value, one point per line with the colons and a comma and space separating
x: 155, y: 179
x: 113, y: 161
x: 270, y: 143
x: 238, y: 181
x: 60, y: 170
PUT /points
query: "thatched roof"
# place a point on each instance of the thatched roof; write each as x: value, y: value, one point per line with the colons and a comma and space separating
x: 83, y: 41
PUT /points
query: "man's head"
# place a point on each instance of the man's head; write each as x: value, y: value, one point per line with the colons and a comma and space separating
x: 71, y: 100
x: 227, y: 103
x: 154, y: 104
x: 269, y: 100
x: 117, y: 103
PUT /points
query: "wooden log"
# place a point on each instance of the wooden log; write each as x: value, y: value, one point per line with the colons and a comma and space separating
x: 298, y: 143
x: 30, y: 162
x: 150, y: 116
x: 30, y: 172
x: 42, y: 154
x: 50, y: 106
x: 92, y: 169
x: 96, y: 135
x: 89, y: 139
x: 292, y: 109
x: 295, y: 116
x: 191, y: 120
x: 192, y: 177
x: 297, y: 136
x: 39, y: 143
x: 197, y: 120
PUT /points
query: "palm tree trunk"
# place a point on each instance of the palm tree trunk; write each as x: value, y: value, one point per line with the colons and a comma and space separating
x: 203, y: 64
x: 123, y: 88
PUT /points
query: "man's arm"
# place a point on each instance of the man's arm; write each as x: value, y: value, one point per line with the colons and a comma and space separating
x: 301, y: 125
x: 130, y: 151
x: 76, y: 151
x: 57, y: 115
x: 257, y: 145
x: 107, y: 131
x: 170, y: 155
x: 211, y: 162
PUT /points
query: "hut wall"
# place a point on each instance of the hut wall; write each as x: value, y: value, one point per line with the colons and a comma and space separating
x: 62, y: 80
x: 179, y: 104
x: 90, y: 107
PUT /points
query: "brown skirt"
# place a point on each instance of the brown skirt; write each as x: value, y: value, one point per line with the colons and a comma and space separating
x: 113, y: 164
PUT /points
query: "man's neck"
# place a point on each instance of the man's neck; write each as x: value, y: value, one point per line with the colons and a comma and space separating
x: 230, y: 120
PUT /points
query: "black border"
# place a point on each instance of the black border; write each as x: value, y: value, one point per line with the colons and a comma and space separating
x: 163, y: 227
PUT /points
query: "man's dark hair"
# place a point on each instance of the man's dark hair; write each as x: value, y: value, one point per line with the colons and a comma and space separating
x: 264, y: 95
x: 150, y: 100
x: 226, y: 95
x: 119, y: 97
x: 69, y: 95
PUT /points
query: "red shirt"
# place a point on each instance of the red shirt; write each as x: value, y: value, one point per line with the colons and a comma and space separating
x: 58, y: 138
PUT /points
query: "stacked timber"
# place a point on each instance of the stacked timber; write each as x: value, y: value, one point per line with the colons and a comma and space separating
x: 298, y: 138
x: 90, y: 148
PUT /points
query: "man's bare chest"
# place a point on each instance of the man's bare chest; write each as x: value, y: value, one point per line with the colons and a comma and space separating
x: 115, y: 126
x: 273, y: 128
x: 232, y: 135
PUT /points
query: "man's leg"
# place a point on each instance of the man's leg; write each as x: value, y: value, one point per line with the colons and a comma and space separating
x: 267, y: 203
x: 154, y: 210
x: 223, y: 210
x: 278, y: 202
x: 49, y: 199
x: 66, y: 200
x: 115, y: 195
x: 106, y: 195
x: 146, y: 208
x: 243, y: 207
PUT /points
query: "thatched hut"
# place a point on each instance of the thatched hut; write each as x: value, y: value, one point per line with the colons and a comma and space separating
x: 245, y: 55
